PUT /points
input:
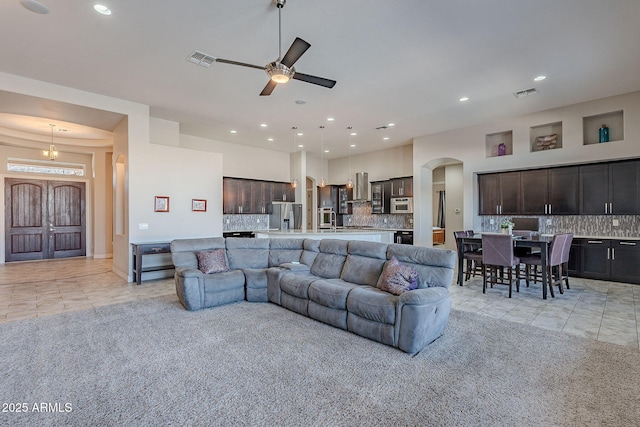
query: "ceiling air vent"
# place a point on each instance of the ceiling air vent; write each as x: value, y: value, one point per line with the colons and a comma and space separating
x: 525, y: 92
x: 201, y: 59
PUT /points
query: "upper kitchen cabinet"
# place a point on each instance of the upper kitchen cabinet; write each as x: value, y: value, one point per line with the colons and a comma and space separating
x: 550, y: 191
x: 236, y: 196
x: 610, y: 188
x: 499, y: 193
x: 328, y: 197
x: 345, y: 194
x: 402, y: 187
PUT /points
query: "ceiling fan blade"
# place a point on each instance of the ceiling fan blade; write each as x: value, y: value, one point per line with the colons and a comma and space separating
x: 271, y: 85
x: 314, y: 79
x: 242, y: 64
x: 298, y: 47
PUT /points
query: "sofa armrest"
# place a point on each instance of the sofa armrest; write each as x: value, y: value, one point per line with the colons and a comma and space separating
x: 297, y: 267
x: 188, y: 272
x: 422, y: 315
x: 422, y: 296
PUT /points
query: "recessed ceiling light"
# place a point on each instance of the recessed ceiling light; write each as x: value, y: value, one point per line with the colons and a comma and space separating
x: 300, y: 101
x: 539, y: 78
x: 326, y: 151
x: 352, y: 145
x: 263, y: 125
x: 391, y: 125
x: 464, y: 99
x: 330, y: 119
x: 386, y: 138
x: 299, y: 133
x: 353, y: 133
x: 300, y: 146
x: 34, y: 6
x: 270, y: 139
x: 101, y: 9
x: 233, y: 131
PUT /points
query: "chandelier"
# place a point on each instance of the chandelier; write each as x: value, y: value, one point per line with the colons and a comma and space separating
x: 52, y: 153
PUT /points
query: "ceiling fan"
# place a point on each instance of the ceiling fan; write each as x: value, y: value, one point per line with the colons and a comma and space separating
x: 281, y: 70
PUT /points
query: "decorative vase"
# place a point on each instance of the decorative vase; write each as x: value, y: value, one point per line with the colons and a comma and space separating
x: 502, y: 149
x: 506, y: 230
x: 603, y: 134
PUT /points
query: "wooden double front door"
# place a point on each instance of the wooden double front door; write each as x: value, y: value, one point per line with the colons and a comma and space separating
x: 44, y: 219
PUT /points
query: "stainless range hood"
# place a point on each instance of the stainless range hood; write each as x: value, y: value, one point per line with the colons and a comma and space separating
x: 361, y: 189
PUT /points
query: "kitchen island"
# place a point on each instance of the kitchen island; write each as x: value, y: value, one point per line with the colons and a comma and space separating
x: 349, y: 233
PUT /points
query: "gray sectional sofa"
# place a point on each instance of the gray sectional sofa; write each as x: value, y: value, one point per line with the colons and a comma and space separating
x: 333, y: 281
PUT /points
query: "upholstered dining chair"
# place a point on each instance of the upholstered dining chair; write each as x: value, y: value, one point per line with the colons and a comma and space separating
x: 471, y: 254
x: 556, y: 258
x: 498, y: 255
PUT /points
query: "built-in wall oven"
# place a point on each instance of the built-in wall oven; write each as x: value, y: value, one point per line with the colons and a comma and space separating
x: 402, y: 205
x: 326, y: 218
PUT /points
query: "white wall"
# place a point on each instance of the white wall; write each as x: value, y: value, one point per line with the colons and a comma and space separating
x: 242, y: 161
x: 467, y: 145
x: 382, y: 164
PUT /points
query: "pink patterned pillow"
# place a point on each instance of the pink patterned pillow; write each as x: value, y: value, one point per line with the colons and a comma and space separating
x: 212, y: 261
x: 397, y: 278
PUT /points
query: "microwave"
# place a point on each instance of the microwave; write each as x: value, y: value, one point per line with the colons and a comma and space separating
x: 402, y: 205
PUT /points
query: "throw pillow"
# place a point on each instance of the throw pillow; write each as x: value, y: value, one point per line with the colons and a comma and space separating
x: 213, y: 261
x: 397, y: 278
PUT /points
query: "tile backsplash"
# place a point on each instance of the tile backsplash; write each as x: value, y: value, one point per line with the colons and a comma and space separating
x: 579, y: 225
x: 362, y: 217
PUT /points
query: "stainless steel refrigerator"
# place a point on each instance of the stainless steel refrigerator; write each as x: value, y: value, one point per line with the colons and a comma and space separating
x: 285, y: 216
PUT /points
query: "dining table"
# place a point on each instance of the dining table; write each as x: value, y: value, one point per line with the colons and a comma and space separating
x: 541, y: 242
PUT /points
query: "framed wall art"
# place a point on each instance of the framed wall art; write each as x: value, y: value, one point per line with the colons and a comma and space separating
x: 198, y: 205
x: 161, y: 204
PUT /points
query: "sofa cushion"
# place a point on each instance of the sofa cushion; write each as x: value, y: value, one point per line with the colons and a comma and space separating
x: 362, y: 270
x: 228, y: 280
x: 330, y: 293
x: 328, y: 264
x: 183, y: 251
x: 297, y: 285
x: 435, y: 267
x: 247, y: 252
x: 285, y: 251
x: 311, y: 248
x: 213, y: 261
x: 372, y: 304
x: 397, y: 278
x: 364, y: 262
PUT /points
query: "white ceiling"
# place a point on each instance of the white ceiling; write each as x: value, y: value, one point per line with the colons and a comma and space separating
x: 406, y: 62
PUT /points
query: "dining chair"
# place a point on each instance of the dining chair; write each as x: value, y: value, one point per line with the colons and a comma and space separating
x: 471, y: 253
x: 555, y: 259
x: 498, y: 254
x: 564, y: 266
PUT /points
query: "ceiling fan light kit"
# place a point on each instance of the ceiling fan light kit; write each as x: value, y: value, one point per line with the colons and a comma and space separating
x: 279, y: 71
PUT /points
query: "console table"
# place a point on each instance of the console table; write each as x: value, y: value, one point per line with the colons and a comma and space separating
x: 150, y: 248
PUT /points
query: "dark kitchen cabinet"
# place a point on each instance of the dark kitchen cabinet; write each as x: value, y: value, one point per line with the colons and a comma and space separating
x: 610, y: 188
x: 625, y: 261
x: 499, y: 193
x: 550, y: 191
x: 249, y: 196
x: 236, y: 196
x: 595, y: 259
x: 380, y: 197
x: 402, y: 187
x: 345, y: 195
x: 575, y: 266
x: 605, y: 259
x: 328, y: 197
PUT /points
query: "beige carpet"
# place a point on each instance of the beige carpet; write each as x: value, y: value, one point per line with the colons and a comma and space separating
x: 153, y: 363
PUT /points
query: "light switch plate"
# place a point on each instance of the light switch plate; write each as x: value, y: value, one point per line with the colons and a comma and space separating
x: 615, y: 223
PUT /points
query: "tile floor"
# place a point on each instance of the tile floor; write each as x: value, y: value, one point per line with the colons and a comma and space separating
x: 43, y: 288
x: 601, y: 310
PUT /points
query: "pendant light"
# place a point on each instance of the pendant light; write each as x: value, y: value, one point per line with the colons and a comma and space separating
x: 294, y: 180
x: 52, y: 153
x: 323, y: 182
x: 350, y: 181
